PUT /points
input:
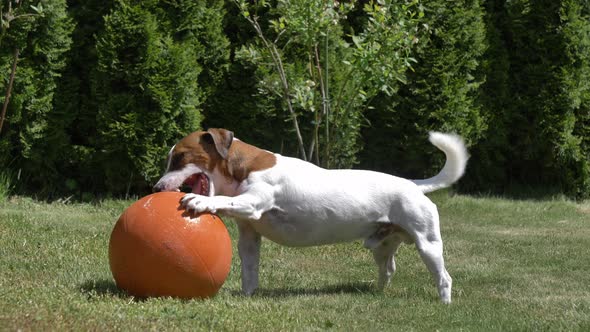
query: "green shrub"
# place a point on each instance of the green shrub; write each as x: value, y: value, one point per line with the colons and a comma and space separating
x: 321, y: 78
x: 149, y: 84
x: 441, y: 94
x: 104, y: 88
x: 75, y: 109
x: 538, y: 97
x: 30, y: 141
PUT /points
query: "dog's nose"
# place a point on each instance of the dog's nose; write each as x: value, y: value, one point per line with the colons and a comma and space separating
x: 156, y: 188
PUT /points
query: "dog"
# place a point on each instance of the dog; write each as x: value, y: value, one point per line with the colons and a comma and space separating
x: 296, y: 203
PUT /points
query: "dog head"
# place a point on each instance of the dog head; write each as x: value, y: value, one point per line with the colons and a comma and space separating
x: 195, y: 160
x: 212, y: 162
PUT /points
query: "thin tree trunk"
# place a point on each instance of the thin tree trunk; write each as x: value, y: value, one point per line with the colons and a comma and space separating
x: 9, y: 88
x: 285, y: 85
x: 325, y: 106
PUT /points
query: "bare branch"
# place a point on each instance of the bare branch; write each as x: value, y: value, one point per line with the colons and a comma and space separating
x: 9, y: 88
x: 276, y: 57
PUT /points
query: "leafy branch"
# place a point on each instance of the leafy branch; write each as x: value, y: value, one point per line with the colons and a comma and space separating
x: 278, y: 64
x: 357, y: 66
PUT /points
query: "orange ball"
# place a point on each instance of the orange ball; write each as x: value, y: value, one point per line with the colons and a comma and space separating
x: 157, y: 248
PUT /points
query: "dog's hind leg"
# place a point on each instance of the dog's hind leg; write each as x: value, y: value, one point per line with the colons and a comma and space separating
x: 384, y: 255
x: 430, y: 248
x: 422, y: 224
x: 249, y: 250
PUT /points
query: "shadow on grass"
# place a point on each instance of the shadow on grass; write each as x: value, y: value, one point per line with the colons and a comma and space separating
x: 344, y: 288
x: 104, y: 287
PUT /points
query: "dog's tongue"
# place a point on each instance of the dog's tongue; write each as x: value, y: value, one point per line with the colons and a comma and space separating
x: 201, y: 186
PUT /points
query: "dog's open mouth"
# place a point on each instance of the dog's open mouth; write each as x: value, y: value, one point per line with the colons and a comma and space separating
x: 198, y: 183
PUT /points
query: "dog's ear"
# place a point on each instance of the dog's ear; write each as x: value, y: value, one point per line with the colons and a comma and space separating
x: 222, y: 140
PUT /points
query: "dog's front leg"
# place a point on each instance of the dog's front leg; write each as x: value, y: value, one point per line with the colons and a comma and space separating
x: 249, y: 205
x: 249, y: 250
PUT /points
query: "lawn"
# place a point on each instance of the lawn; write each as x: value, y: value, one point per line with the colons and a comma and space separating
x: 516, y: 265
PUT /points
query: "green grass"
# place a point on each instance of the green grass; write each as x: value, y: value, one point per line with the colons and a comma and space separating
x: 517, y: 265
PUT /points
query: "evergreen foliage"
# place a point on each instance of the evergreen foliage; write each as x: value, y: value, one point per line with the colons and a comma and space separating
x: 76, y: 107
x: 537, y: 96
x: 102, y: 89
x: 486, y: 167
x: 37, y: 36
x: 234, y: 105
x: 572, y: 106
x: 440, y: 94
x: 148, y: 84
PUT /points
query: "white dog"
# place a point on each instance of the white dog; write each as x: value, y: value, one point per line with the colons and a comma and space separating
x: 295, y: 203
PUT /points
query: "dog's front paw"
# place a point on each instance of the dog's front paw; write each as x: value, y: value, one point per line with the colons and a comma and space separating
x: 198, y: 203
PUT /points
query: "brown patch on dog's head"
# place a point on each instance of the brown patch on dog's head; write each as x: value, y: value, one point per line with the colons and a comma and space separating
x: 206, y: 149
x: 216, y: 148
x: 244, y: 159
x: 195, y: 160
x: 222, y: 140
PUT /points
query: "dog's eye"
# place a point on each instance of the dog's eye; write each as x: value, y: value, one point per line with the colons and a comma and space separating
x: 176, y: 160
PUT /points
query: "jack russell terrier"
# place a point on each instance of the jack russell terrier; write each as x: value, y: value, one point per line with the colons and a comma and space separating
x: 296, y: 203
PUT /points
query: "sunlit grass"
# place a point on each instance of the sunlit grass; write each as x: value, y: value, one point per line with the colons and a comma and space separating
x: 516, y: 265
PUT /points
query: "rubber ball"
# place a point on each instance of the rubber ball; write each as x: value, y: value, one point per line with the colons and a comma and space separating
x: 157, y: 248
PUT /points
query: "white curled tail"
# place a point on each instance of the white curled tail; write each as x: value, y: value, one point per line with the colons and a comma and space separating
x: 457, y: 156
